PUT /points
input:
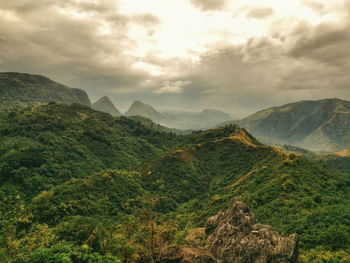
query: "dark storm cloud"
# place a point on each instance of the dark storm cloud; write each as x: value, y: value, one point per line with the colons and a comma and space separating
x: 45, y: 37
x: 260, y: 13
x: 209, y: 5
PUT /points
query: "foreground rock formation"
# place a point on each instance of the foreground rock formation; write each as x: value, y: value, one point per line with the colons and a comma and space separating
x: 235, y: 236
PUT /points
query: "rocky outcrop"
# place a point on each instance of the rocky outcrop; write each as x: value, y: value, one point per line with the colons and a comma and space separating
x: 236, y: 236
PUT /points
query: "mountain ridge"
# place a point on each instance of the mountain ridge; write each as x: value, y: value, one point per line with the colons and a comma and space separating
x: 319, y: 125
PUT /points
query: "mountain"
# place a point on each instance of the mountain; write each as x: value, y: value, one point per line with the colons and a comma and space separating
x: 139, y: 108
x: 322, y: 125
x: 20, y: 89
x: 79, y: 185
x: 179, y: 120
x: 104, y: 104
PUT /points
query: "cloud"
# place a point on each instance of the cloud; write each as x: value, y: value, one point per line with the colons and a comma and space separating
x: 234, y: 63
x: 260, y: 13
x: 210, y: 91
x: 327, y: 43
x: 146, y: 20
x: 82, y: 44
x: 172, y: 87
x: 317, y: 6
x: 209, y: 5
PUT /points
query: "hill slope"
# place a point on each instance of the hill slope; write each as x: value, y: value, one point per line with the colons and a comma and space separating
x: 104, y: 104
x: 322, y: 125
x: 62, y: 191
x: 21, y: 89
x: 289, y: 192
x: 49, y: 144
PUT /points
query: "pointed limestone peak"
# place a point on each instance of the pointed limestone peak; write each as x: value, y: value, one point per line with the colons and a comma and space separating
x: 138, y: 108
x: 104, y: 104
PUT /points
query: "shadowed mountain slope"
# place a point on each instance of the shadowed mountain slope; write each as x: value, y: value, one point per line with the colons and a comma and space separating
x: 18, y: 89
x: 322, y: 125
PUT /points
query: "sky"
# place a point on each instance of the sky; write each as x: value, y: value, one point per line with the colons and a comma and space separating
x: 238, y: 56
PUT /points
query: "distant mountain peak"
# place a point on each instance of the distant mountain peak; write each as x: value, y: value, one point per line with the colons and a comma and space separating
x: 138, y: 108
x: 179, y: 119
x: 212, y: 110
x: 104, y: 104
x: 104, y: 98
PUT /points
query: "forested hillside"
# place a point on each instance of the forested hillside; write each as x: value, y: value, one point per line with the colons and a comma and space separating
x: 78, y: 185
x: 21, y: 89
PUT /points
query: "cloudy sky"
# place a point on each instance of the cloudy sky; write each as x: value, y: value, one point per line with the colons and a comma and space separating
x: 235, y: 55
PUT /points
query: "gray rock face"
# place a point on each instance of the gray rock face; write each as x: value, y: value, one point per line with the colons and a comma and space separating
x: 235, y: 236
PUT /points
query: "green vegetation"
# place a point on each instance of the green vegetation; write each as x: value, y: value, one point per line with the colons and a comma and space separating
x: 154, y: 126
x: 19, y: 90
x: 47, y: 145
x: 321, y: 125
x: 81, y: 186
x: 335, y: 162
